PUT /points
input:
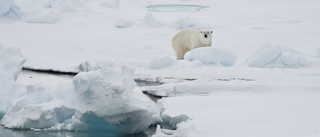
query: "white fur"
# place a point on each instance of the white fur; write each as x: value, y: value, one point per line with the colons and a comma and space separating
x: 188, y: 39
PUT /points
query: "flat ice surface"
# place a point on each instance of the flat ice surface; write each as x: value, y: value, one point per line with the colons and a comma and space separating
x: 276, y: 44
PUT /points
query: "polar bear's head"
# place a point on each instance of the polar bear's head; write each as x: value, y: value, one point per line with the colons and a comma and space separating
x: 206, y: 36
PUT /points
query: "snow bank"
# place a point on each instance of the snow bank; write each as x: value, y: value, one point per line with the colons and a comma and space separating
x: 279, y: 57
x: 103, y: 99
x: 211, y: 56
x: 11, y: 62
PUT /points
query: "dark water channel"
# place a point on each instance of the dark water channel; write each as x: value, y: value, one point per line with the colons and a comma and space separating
x: 4, y: 132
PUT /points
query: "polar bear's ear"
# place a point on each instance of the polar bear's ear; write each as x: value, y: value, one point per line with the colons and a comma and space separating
x: 200, y: 31
x: 211, y: 31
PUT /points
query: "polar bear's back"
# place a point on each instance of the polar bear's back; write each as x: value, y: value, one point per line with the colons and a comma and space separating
x: 182, y: 42
x: 185, y: 34
x: 184, y: 37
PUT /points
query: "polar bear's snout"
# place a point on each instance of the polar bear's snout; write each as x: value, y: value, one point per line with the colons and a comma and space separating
x: 205, y: 36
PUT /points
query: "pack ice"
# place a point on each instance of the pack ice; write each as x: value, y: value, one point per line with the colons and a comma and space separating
x: 104, y: 99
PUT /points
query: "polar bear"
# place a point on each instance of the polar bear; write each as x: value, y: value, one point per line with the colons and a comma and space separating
x: 188, y: 39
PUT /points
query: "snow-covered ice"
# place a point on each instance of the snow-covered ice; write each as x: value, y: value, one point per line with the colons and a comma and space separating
x: 161, y: 62
x: 260, y: 78
x: 207, y: 56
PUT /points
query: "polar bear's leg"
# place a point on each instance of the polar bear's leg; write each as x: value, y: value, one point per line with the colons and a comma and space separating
x: 179, y: 51
x: 180, y: 55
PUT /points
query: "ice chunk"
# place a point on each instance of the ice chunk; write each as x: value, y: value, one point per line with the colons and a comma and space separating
x: 104, y: 99
x: 5, y: 6
x: 210, y: 56
x: 124, y: 23
x: 9, y: 10
x: 264, y: 56
x: 183, y: 23
x: 11, y: 62
x: 109, y: 95
x: 94, y: 65
x: 150, y: 21
x: 278, y: 57
x: 172, y: 122
x: 105, y: 85
x: 34, y: 107
x: 186, y: 22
